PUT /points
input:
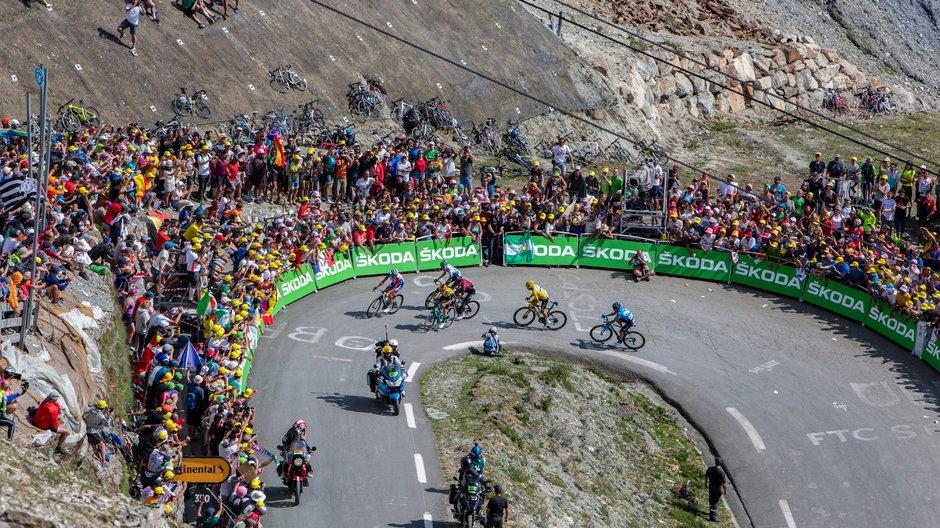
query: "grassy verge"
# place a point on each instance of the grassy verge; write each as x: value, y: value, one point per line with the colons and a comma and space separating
x: 570, y: 445
x: 117, y: 369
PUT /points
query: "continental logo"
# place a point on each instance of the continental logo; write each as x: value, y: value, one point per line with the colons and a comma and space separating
x: 383, y: 259
x: 835, y: 297
x: 669, y: 259
x: 428, y: 254
x: 289, y: 286
x: 608, y: 253
x: 885, y: 319
x: 339, y: 267
x: 766, y: 275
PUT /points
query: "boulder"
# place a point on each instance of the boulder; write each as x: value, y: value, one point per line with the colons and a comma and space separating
x: 692, y: 107
x: 790, y: 91
x: 822, y: 61
x: 791, y: 79
x: 763, y: 65
x: 811, y: 53
x: 683, y: 85
x: 779, y: 79
x: 765, y: 83
x: 646, y: 69
x: 677, y: 108
x: 807, y: 82
x: 597, y: 114
x: 699, y: 84
x: 815, y: 99
x: 791, y: 54
x: 713, y: 60
x: 735, y: 102
x: 706, y: 104
x: 830, y: 54
x: 666, y: 87
x: 811, y: 65
x: 744, y: 66
x: 841, y: 82
x: 826, y: 74
x: 779, y: 58
x: 808, y: 40
x: 798, y: 66
x: 714, y: 88
x: 722, y: 103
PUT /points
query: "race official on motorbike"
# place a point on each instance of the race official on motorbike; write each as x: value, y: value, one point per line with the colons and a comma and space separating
x: 383, y: 343
x: 471, y: 464
x: 387, y: 358
x: 297, y: 433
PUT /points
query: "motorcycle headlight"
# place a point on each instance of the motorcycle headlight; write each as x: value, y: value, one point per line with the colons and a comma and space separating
x: 298, y: 462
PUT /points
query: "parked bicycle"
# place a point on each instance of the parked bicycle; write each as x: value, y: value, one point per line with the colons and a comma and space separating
x: 245, y: 125
x: 72, y: 118
x: 310, y: 118
x: 604, y: 331
x: 164, y: 129
x: 380, y: 304
x: 834, y: 101
x: 283, y: 123
x: 434, y: 111
x: 616, y: 152
x: 186, y: 105
x: 284, y: 79
x: 554, y: 320
x: 652, y: 150
x: 366, y: 99
x: 440, y: 317
x: 875, y: 100
x: 487, y: 137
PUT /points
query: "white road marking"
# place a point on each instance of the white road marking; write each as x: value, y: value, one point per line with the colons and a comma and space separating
x: 331, y: 358
x: 639, y: 361
x: 423, y: 281
x: 748, y: 427
x: 465, y: 344
x: 482, y: 297
x: 579, y: 328
x: 410, y: 415
x: 419, y: 467
x: 428, y: 520
x: 876, y: 394
x: 411, y: 371
x: 764, y: 367
x: 355, y: 342
x: 787, y: 515
x: 314, y: 333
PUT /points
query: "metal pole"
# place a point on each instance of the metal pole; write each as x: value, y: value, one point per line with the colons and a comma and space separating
x: 28, y: 321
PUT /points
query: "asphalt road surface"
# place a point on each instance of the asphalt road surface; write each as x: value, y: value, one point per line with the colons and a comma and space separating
x: 821, y: 422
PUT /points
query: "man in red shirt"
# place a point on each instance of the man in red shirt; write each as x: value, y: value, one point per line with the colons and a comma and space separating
x: 47, y: 419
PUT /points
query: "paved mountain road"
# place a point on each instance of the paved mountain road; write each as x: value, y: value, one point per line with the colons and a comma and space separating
x: 821, y: 422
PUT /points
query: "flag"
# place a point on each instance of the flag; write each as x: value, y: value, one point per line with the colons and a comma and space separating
x: 519, y: 248
x: 206, y: 304
x: 16, y: 191
x: 143, y: 184
x: 150, y: 352
x: 276, y: 152
x: 189, y: 359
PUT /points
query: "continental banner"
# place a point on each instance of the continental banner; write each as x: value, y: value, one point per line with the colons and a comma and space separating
x: 614, y: 254
x: 891, y: 326
x: 457, y: 251
x: 675, y: 260
x: 386, y: 257
x: 838, y: 298
x: 294, y: 285
x: 328, y: 274
x: 758, y: 274
x: 562, y: 252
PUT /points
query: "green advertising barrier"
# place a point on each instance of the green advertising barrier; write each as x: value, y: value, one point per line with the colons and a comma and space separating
x: 293, y: 285
x: 562, y: 252
x: 675, y: 260
x: 342, y: 269
x: 931, y: 354
x: 759, y: 274
x: 457, y: 251
x: 838, y: 298
x: 613, y: 253
x: 880, y: 320
x: 386, y: 257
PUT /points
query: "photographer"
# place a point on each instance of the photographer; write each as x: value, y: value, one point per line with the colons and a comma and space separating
x: 134, y: 10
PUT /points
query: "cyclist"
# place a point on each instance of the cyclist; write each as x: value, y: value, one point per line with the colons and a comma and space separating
x: 465, y: 288
x: 623, y: 316
x: 448, y: 272
x: 538, y: 295
x: 395, y: 284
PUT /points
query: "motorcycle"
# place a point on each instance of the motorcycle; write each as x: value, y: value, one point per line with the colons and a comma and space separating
x: 295, y: 476
x: 390, y: 387
x: 468, y: 500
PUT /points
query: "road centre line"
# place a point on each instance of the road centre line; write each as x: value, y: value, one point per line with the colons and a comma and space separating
x: 428, y: 520
x: 410, y: 415
x: 749, y: 429
x: 411, y: 371
x: 419, y: 467
x: 787, y: 515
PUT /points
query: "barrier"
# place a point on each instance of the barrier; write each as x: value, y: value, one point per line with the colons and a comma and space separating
x: 458, y: 251
x: 399, y: 255
x: 837, y: 298
x: 544, y: 252
x: 892, y: 327
x: 675, y: 260
x: 327, y: 274
x: 614, y: 253
x: 293, y: 285
x: 762, y: 275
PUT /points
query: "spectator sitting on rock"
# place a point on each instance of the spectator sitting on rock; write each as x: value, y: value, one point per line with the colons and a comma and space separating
x: 47, y: 419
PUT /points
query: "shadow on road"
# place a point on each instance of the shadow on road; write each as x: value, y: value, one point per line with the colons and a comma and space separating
x: 355, y: 403
x: 421, y: 524
x: 419, y: 328
x: 588, y: 344
x: 281, y: 497
x: 358, y: 314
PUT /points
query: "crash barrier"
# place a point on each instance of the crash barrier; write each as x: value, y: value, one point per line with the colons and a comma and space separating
x: 416, y: 255
x: 524, y: 249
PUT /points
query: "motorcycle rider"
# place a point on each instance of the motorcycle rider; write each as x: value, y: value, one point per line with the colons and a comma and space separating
x: 471, y: 464
x: 623, y: 316
x: 383, y: 343
x: 297, y: 433
x: 387, y: 358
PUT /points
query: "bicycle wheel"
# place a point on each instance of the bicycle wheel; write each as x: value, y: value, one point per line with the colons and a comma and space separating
x: 180, y: 107
x: 556, y: 320
x: 469, y: 310
x: 634, y: 340
x: 289, y: 126
x: 375, y: 307
x: 281, y: 83
x: 524, y: 316
x: 431, y: 300
x: 92, y: 117
x: 431, y: 321
x: 188, y: 126
x: 449, y: 316
x: 601, y: 333
x: 397, y: 301
x: 70, y: 122
x: 299, y: 82
x: 202, y: 108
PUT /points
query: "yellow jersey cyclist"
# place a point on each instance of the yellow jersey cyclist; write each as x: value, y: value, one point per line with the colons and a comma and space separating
x: 538, y: 296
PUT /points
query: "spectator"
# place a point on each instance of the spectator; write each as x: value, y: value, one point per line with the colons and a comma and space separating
x: 47, y: 419
x: 98, y: 423
x: 641, y: 270
x: 130, y: 22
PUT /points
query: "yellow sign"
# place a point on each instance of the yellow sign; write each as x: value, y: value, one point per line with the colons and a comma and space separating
x: 203, y: 469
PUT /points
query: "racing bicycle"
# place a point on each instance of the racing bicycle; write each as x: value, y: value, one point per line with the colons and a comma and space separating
x: 468, y: 310
x: 380, y: 304
x: 527, y: 314
x: 284, y: 79
x: 197, y: 103
x: 74, y: 117
x: 604, y: 331
x: 440, y: 317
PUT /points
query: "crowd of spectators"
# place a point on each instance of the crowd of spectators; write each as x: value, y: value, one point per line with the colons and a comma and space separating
x: 163, y: 216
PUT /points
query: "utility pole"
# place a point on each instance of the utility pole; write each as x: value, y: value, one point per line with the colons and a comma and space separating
x: 42, y: 78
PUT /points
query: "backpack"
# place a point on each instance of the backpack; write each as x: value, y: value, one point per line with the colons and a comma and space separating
x: 490, y: 343
x: 191, y: 400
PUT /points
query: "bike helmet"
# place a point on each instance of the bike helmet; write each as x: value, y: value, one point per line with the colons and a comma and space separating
x: 492, y: 329
x: 616, y: 306
x: 476, y: 451
x: 443, y: 264
x: 300, y: 424
x: 393, y: 342
x: 393, y: 271
x: 387, y: 349
x: 8, y: 372
x: 14, y: 123
x: 529, y: 284
x: 454, y: 274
